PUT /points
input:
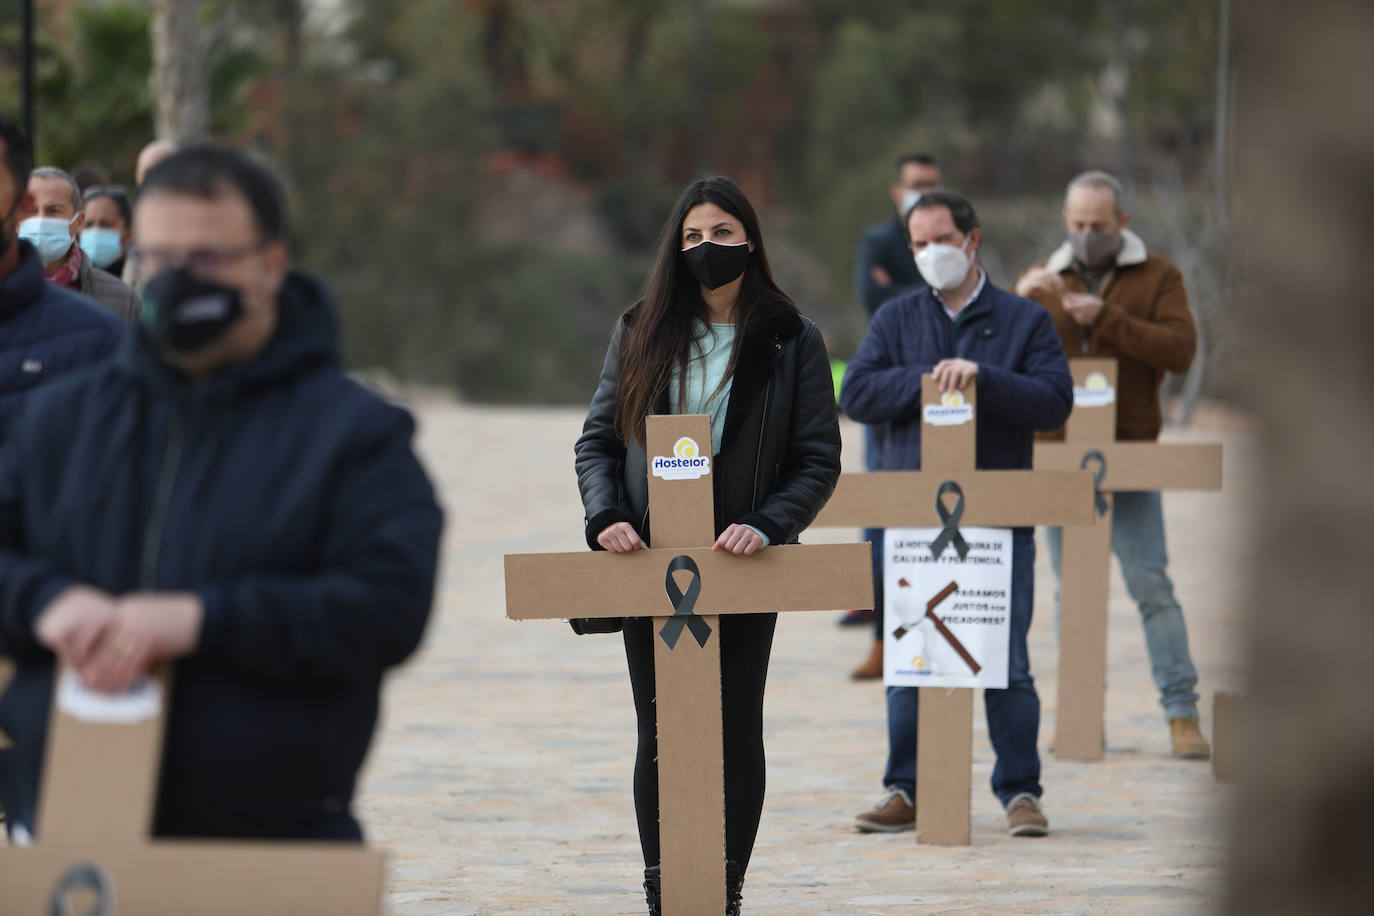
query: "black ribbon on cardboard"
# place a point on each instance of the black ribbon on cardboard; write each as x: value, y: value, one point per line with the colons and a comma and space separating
x: 949, y: 522
x: 85, y: 876
x: 1099, y: 500
x: 684, y: 604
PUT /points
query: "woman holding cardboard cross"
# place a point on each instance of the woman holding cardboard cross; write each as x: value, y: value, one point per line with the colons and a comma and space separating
x: 712, y: 335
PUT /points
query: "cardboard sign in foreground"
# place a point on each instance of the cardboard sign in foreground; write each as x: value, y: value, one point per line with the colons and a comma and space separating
x: 1138, y: 465
x: 1003, y: 499
x: 944, y: 750
x: 783, y: 577
x: 1086, y: 561
x: 821, y: 577
x: 93, y: 851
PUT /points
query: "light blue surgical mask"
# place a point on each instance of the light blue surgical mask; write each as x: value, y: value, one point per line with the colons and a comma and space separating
x: 102, y: 245
x: 51, y: 235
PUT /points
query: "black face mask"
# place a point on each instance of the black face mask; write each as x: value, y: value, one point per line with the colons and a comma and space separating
x: 715, y: 265
x: 186, y: 312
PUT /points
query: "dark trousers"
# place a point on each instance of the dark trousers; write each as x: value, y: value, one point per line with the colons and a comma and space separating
x: 745, y: 643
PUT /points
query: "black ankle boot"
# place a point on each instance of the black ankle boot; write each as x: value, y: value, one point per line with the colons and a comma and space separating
x: 734, y: 884
x: 653, y: 891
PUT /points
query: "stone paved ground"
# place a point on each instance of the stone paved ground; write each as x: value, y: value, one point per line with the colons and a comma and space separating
x: 501, y: 780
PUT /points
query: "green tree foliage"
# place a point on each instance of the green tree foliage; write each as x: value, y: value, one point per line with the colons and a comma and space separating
x: 386, y: 164
x: 93, y: 103
x: 93, y: 99
x: 399, y: 138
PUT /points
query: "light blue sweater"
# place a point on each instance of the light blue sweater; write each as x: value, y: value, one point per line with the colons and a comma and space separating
x: 708, y: 391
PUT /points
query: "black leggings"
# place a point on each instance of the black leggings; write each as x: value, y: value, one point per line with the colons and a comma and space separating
x: 745, y: 643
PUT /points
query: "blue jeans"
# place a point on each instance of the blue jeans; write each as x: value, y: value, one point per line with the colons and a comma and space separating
x: 1013, y: 714
x: 1138, y: 542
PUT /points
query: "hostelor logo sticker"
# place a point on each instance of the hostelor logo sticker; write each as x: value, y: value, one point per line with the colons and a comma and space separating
x: 686, y: 463
x: 951, y: 411
x: 1094, y: 392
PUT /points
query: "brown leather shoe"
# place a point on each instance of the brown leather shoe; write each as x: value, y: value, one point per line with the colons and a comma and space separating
x: 1188, y: 741
x: 872, y: 666
x: 1025, y: 817
x: 893, y: 814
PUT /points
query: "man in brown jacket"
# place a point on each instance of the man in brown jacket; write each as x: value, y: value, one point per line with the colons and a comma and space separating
x: 1110, y: 297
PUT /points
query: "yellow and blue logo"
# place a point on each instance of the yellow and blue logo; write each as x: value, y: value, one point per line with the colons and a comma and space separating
x: 951, y: 411
x: 1094, y: 392
x: 686, y: 463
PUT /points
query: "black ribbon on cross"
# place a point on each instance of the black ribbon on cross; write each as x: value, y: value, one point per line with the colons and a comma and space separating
x: 949, y: 522
x: 83, y: 876
x: 1099, y: 500
x: 684, y: 604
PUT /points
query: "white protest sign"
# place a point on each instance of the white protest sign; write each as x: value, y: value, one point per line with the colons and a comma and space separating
x: 947, y: 620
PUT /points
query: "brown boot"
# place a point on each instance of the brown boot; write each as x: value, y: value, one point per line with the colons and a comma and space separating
x: 1188, y: 741
x: 873, y: 665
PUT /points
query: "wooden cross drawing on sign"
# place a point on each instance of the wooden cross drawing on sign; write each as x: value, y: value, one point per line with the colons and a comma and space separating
x: 890, y: 499
x: 902, y: 628
x: 650, y: 583
x: 1090, y: 442
x: 92, y: 852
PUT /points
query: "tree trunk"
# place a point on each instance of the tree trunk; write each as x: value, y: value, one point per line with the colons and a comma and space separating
x: 181, y: 79
x: 1302, y: 839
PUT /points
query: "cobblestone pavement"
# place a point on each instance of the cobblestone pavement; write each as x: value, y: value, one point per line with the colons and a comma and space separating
x: 500, y: 782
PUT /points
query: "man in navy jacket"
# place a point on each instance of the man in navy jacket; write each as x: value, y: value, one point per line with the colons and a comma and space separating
x: 884, y: 270
x: 966, y: 332
x: 220, y: 496
x: 45, y: 331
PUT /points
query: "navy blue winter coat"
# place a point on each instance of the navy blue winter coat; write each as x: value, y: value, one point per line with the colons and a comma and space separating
x: 45, y: 332
x: 885, y: 245
x: 1023, y: 377
x: 287, y: 496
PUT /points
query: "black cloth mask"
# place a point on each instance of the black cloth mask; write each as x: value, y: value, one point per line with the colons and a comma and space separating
x: 186, y: 312
x: 715, y: 265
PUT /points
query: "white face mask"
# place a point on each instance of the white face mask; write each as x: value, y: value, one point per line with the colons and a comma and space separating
x: 943, y: 266
x: 51, y: 235
x: 909, y: 199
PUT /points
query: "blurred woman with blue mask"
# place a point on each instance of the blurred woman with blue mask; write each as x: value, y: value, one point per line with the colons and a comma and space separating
x: 109, y: 227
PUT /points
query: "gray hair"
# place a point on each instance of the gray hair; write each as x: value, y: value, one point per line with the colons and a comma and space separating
x: 52, y: 171
x: 1096, y: 178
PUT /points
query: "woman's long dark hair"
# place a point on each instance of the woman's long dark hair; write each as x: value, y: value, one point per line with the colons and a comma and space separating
x: 659, y: 339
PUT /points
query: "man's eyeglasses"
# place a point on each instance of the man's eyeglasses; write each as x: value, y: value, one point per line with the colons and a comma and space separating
x: 198, y: 260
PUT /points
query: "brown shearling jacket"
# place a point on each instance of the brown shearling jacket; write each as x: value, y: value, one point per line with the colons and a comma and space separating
x: 1145, y: 325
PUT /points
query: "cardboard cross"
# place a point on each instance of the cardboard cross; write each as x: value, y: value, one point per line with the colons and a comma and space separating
x: 891, y: 499
x: 648, y: 583
x: 1090, y: 442
x: 93, y: 854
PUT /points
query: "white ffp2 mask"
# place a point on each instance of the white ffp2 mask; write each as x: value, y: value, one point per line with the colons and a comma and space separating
x: 943, y: 266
